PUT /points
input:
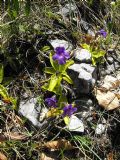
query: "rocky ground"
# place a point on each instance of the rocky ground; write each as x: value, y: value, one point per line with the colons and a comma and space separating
x: 94, y: 129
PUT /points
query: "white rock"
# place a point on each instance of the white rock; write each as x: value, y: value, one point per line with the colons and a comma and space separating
x: 82, y: 55
x: 61, y: 43
x: 91, y: 32
x: 67, y: 9
x: 31, y: 111
x: 100, y: 129
x: 75, y: 124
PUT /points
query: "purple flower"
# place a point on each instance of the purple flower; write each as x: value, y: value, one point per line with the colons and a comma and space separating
x: 61, y: 55
x: 51, y: 102
x: 103, y: 33
x: 69, y: 110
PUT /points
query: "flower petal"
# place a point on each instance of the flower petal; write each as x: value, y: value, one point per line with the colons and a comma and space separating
x: 67, y: 55
x: 59, y: 50
x: 51, y: 102
x: 69, y: 110
x: 61, y: 60
x: 55, y: 57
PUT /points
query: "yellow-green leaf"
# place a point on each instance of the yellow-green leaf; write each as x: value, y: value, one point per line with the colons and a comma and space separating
x: 3, y: 92
x: 49, y: 70
x: 53, y: 82
x: 1, y: 72
x: 54, y: 112
x: 66, y: 120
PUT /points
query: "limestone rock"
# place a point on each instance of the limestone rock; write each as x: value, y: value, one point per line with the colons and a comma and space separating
x: 32, y: 111
x: 61, y: 43
x: 83, y: 76
x: 75, y: 124
x: 100, y: 129
x: 82, y: 55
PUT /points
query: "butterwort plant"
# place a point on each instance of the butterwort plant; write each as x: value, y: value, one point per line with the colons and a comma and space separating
x: 95, y: 47
x: 60, y: 61
x: 55, y: 109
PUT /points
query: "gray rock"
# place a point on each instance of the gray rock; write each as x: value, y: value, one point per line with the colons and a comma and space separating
x: 117, y: 65
x: 75, y: 124
x: 84, y: 103
x: 110, y: 60
x: 82, y: 55
x: 84, y: 24
x: 91, y: 32
x: 83, y: 76
x: 61, y: 43
x: 100, y: 129
x: 110, y: 69
x: 67, y: 9
x: 31, y: 111
x: 85, y: 107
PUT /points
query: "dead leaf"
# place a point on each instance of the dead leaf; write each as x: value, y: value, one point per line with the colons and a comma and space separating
x: 2, y: 138
x: 110, y: 156
x: 59, y: 144
x: 14, y: 136
x: 111, y: 82
x: 19, y: 120
x: 2, y: 156
x: 108, y: 100
x: 45, y: 157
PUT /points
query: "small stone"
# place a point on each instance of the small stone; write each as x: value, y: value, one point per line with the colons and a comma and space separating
x: 82, y: 55
x: 75, y: 124
x: 61, y: 43
x: 90, y: 32
x: 100, y: 129
x: 110, y: 50
x: 84, y: 107
x: 84, y: 24
x: 117, y: 65
x: 67, y: 9
x: 110, y: 60
x: 110, y: 69
x: 103, y: 73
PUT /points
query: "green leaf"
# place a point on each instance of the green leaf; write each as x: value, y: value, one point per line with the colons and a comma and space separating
x: 53, y: 63
x: 16, y: 5
x: 86, y: 46
x: 58, y: 89
x: 1, y: 72
x: 27, y: 7
x: 45, y: 48
x: 98, y: 54
x: 68, y: 63
x: 3, y: 92
x: 14, y: 102
x: 66, y: 120
x: 67, y: 78
x: 53, y: 82
x: 62, y: 101
x: 49, y: 70
x: 45, y: 86
x: 22, y: 28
